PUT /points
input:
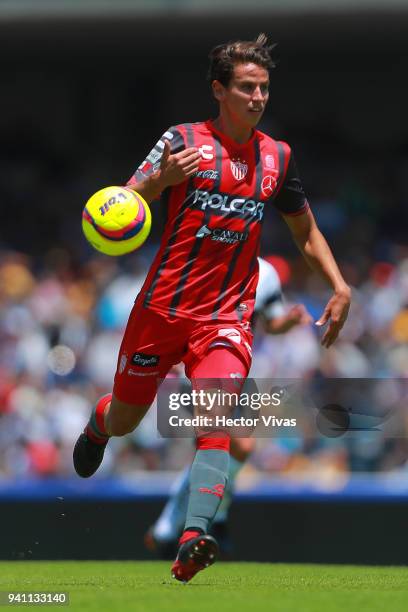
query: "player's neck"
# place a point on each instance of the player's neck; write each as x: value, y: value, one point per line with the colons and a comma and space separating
x: 241, y: 134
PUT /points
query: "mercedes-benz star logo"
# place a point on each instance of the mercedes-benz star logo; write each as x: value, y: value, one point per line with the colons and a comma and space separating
x: 268, y: 185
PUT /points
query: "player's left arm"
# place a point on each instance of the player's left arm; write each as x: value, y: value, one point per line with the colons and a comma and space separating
x: 318, y: 255
x: 293, y: 205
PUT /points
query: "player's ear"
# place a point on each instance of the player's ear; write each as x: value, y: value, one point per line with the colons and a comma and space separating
x: 218, y: 90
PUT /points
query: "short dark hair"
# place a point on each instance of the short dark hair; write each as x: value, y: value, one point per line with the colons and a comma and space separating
x: 224, y: 57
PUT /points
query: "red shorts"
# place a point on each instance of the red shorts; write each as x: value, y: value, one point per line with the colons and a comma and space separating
x: 153, y: 343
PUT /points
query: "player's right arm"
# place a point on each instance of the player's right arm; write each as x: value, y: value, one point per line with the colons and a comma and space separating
x: 166, y: 165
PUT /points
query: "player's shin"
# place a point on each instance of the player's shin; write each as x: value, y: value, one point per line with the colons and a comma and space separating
x: 234, y: 469
x: 208, y: 478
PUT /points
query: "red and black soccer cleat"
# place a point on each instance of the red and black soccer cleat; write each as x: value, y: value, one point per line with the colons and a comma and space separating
x: 87, y: 456
x: 196, y: 552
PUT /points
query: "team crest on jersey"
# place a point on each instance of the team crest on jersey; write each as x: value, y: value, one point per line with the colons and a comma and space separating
x: 239, y: 169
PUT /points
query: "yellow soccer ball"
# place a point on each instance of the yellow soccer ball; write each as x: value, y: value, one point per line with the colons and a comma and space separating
x: 116, y: 220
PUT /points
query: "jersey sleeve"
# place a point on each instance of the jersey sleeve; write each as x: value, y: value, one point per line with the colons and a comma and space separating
x: 269, y: 298
x: 291, y: 198
x: 152, y: 162
x: 273, y: 306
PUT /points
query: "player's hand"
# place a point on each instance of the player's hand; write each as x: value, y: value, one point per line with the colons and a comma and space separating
x: 176, y: 168
x: 336, y: 313
x: 296, y: 315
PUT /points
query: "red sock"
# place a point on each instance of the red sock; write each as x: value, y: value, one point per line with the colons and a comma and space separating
x: 189, y: 534
x: 96, y: 430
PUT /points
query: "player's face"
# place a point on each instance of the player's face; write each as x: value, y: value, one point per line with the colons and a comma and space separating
x: 245, y: 97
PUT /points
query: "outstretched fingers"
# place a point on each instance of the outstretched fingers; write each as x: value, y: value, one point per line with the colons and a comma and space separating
x: 336, y: 313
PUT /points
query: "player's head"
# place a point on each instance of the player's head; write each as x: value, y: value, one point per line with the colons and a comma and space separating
x: 239, y: 77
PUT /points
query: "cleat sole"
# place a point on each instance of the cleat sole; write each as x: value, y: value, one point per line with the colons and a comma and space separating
x: 194, y: 556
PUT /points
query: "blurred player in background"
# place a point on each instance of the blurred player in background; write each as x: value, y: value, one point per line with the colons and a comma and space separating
x: 275, y: 319
x: 217, y: 179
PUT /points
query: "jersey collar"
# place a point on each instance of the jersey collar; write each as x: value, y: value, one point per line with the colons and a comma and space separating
x: 209, y: 123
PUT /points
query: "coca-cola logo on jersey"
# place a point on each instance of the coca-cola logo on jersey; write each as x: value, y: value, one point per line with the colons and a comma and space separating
x: 208, y: 174
x: 239, y: 169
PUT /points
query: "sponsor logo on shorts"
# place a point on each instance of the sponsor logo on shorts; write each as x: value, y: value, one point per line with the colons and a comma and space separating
x: 221, y: 234
x: 232, y: 334
x: 134, y: 373
x: 144, y: 360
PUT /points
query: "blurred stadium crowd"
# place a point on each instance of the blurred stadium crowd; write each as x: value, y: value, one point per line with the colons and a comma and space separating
x: 61, y: 322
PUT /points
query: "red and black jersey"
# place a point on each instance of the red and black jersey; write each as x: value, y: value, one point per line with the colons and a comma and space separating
x: 206, y: 267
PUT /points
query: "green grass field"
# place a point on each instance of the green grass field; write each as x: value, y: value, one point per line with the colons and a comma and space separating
x: 233, y: 587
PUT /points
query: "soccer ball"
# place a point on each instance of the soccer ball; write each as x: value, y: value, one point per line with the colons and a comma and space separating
x: 116, y: 220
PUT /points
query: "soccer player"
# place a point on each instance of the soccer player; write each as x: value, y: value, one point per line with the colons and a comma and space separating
x: 218, y: 179
x: 163, y: 534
